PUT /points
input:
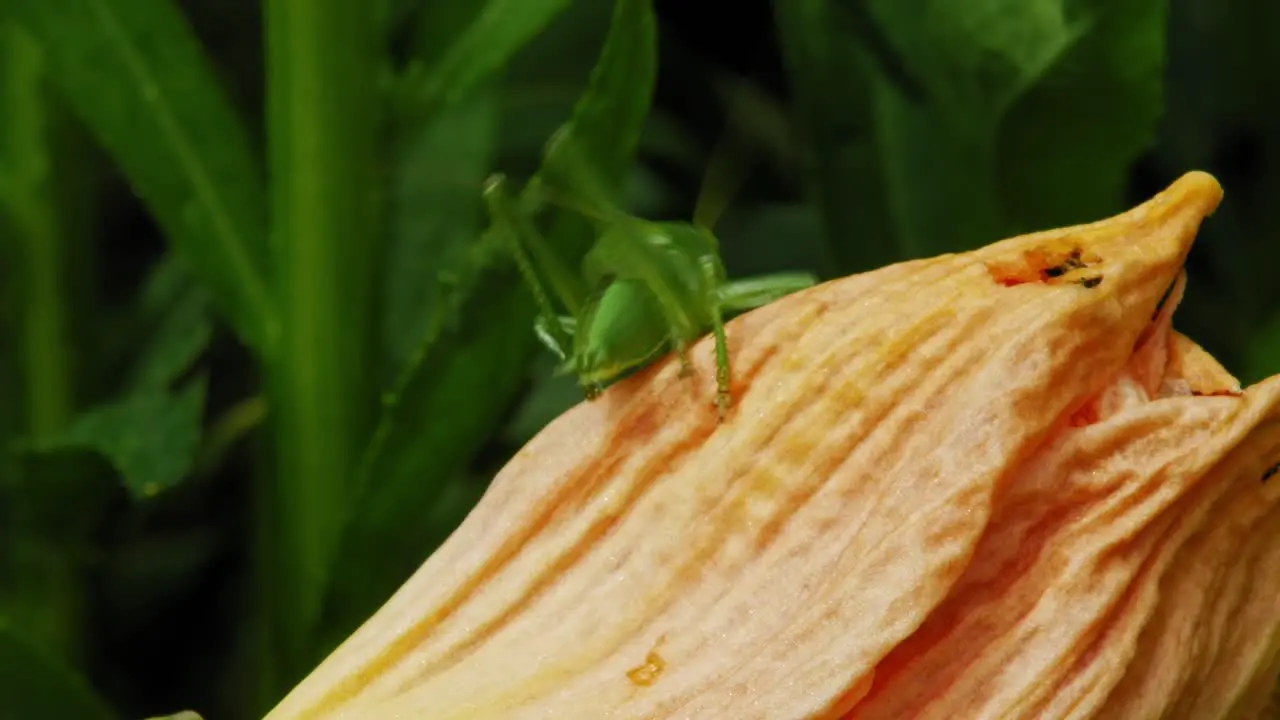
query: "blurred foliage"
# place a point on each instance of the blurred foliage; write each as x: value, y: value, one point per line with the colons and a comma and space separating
x: 259, y: 354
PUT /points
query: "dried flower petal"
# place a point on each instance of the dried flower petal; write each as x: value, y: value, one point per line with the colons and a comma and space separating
x: 977, y: 485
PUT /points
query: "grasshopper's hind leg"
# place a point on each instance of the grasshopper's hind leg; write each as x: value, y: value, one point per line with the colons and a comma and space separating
x: 712, y: 277
x: 759, y: 291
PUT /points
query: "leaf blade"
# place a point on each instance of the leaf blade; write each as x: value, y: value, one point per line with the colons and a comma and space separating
x: 134, y: 72
x: 151, y: 437
x: 1084, y: 173
x: 495, y: 33
x: 436, y: 213
x: 1004, y: 83
x: 842, y: 168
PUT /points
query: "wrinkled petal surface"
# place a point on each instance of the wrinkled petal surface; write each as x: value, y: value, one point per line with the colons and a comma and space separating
x: 994, y: 484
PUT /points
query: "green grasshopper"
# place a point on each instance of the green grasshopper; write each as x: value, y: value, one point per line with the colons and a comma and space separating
x: 645, y: 287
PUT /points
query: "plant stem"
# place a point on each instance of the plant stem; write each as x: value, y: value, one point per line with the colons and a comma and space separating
x: 322, y: 132
x: 45, y: 332
x: 29, y: 198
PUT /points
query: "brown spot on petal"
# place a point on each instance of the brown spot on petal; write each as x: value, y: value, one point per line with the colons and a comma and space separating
x: 1043, y: 264
x: 1270, y: 472
x: 646, y: 674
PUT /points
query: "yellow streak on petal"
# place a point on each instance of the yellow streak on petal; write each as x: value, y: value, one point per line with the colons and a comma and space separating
x: 779, y: 558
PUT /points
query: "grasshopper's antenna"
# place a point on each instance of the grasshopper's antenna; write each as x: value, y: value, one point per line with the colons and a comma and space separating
x: 725, y: 175
x: 754, y: 126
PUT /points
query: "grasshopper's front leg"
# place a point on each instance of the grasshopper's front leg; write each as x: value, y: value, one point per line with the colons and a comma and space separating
x: 522, y: 241
x: 682, y: 354
x: 552, y: 331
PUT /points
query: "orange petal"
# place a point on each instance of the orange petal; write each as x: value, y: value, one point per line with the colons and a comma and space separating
x: 892, y: 432
x: 1211, y: 643
x: 1099, y: 534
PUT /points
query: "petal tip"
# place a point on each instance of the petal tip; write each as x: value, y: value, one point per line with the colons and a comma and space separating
x: 1160, y: 231
x: 1197, y: 190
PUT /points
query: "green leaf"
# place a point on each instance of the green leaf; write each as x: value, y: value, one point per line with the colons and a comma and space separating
x: 436, y: 212
x: 563, y: 55
x: 135, y: 73
x: 150, y: 433
x: 183, y: 334
x: 495, y: 32
x: 545, y: 79
x: 837, y: 128
x: 151, y: 438
x: 37, y: 686
x: 474, y: 363
x: 1067, y: 144
x: 1007, y: 135
x: 153, y: 341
